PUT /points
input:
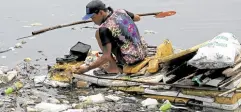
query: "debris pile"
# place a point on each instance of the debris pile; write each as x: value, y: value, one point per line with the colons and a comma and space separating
x: 165, y: 80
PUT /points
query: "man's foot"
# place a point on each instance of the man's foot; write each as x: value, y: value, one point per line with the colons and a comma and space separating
x: 112, y: 70
x: 102, y: 72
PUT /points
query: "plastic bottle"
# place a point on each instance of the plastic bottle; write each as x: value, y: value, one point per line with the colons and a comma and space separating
x: 16, y: 86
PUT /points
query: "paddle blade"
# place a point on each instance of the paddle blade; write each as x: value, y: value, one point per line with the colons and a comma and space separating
x: 165, y: 14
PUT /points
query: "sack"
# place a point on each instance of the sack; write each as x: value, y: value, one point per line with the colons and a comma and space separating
x: 81, y: 50
x: 220, y: 52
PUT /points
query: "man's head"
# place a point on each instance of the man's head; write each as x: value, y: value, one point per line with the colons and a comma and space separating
x: 96, y: 10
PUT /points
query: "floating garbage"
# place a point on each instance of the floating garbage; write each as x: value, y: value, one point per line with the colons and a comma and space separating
x: 11, y: 48
x: 150, y: 103
x: 36, y: 24
x: 56, y: 83
x: 82, y: 84
x: 23, y: 42
x: 18, y: 45
x: 39, y: 79
x: 5, y: 78
x: 53, y: 100
x: 74, y: 110
x: 167, y: 106
x: 16, y: 86
x: 149, y: 32
x: 27, y: 59
x: 30, y: 109
x: 49, y: 107
x: 112, y: 98
x: 99, y: 98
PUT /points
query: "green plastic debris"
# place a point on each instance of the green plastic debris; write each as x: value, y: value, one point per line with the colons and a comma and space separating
x: 165, y: 106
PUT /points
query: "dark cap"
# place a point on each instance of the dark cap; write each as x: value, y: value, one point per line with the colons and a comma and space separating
x: 93, y: 7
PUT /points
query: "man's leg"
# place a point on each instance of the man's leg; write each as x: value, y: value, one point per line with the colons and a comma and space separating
x: 112, y: 67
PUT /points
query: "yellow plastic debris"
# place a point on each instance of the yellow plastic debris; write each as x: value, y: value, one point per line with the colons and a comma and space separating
x: 127, y: 69
x: 153, y: 65
x: 60, y: 77
x: 135, y: 68
x: 164, y: 49
x: 61, y: 72
x: 27, y: 59
x: 67, y: 66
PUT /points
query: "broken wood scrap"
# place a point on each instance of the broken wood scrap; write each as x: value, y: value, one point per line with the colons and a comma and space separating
x: 230, y: 79
x: 200, y: 93
x: 104, y: 81
x: 213, y: 82
x: 180, y: 54
x: 207, y: 77
x: 177, y: 94
x: 180, y: 70
x: 232, y: 71
x: 176, y: 68
x: 212, y: 78
x: 185, y: 78
x: 152, y: 50
x: 170, y: 98
x: 238, y: 58
x: 129, y: 89
x: 235, y: 69
x: 233, y: 84
x: 228, y: 99
x: 197, y: 76
x: 157, y: 87
x: 232, y: 90
x: 167, y: 79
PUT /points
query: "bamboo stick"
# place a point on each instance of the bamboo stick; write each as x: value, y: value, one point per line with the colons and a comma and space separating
x: 232, y: 90
x: 128, y: 82
x: 233, y: 70
x: 170, y: 98
x: 157, y: 15
x: 230, y: 80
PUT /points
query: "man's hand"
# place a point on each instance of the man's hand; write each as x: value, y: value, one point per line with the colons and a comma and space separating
x: 81, y: 69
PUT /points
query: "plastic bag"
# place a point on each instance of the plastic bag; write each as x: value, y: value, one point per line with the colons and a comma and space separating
x: 220, y: 52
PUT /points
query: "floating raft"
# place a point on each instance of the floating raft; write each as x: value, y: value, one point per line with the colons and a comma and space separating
x: 174, y: 80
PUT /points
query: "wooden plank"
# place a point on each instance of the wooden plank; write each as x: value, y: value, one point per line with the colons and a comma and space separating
x: 180, y: 54
x: 233, y: 70
x: 214, y: 82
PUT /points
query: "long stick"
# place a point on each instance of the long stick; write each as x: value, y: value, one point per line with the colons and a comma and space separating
x: 79, y: 22
x: 232, y: 90
x: 80, y: 76
x: 5, y: 51
x: 157, y: 15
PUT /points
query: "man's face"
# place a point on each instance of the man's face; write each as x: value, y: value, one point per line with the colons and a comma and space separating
x: 97, y: 18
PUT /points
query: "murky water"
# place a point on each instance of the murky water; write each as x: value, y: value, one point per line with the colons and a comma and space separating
x: 194, y: 23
